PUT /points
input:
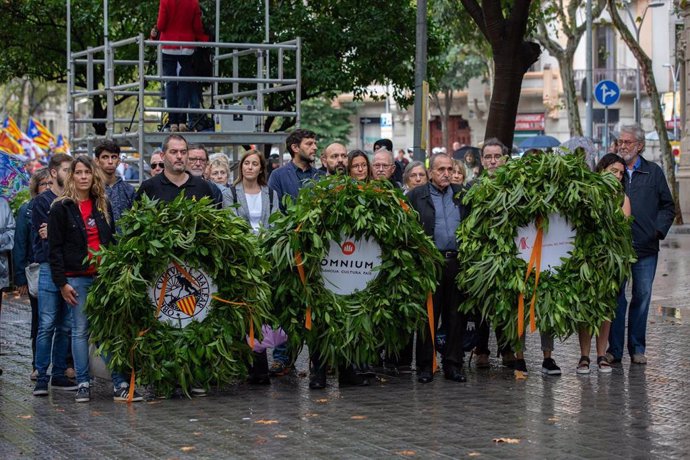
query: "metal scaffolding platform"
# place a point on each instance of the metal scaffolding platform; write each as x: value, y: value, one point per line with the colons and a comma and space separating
x: 235, y: 101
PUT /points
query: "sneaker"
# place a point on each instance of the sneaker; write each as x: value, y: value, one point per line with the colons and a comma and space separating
x: 83, y: 393
x: 521, y: 366
x: 508, y: 359
x: 41, y: 389
x: 612, y: 359
x: 122, y: 394
x: 549, y: 367
x: 278, y: 369
x: 482, y: 361
x: 199, y: 392
x: 63, y: 383
x: 34, y: 375
x: 639, y: 358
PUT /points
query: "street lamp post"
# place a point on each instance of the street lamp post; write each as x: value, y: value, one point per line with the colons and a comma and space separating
x: 638, y: 28
x: 675, y: 70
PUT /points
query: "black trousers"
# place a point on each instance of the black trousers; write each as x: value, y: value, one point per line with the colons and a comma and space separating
x: 483, y: 334
x: 447, y: 300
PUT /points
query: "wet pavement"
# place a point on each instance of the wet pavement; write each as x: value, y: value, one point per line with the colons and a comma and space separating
x: 635, y: 412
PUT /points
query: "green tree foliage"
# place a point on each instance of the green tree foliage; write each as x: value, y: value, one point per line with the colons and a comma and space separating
x: 346, y: 45
x: 332, y: 124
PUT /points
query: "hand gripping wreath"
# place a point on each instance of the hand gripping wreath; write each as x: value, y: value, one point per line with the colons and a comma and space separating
x: 582, y: 291
x: 351, y: 328
x: 176, y: 297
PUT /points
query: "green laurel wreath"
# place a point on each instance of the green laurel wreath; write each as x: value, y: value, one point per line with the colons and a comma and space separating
x: 582, y: 291
x: 352, y: 328
x: 209, y: 352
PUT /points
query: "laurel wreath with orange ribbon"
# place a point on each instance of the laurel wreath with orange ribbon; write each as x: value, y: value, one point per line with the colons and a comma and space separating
x: 582, y: 291
x: 123, y: 320
x: 351, y: 328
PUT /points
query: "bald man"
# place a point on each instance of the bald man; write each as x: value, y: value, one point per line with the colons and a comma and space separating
x: 335, y: 159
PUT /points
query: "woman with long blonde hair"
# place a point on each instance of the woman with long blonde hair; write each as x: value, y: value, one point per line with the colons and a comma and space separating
x: 80, y: 223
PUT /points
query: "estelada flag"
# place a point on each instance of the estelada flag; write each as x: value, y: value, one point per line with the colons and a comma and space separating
x: 40, y: 134
x: 12, y: 129
x: 9, y: 144
x: 62, y: 145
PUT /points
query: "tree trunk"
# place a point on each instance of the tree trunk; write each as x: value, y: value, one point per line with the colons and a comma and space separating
x: 647, y: 74
x: 570, y: 94
x: 510, y: 64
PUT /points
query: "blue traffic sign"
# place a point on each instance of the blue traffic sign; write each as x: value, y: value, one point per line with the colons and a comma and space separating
x: 607, y: 92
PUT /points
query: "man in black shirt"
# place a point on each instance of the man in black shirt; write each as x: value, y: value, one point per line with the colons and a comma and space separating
x: 175, y: 178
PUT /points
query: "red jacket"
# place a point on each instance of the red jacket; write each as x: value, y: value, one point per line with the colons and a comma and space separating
x: 180, y: 20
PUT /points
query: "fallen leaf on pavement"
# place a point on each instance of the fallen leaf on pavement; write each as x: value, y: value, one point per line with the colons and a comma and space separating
x: 25, y: 417
x: 187, y: 448
x: 474, y: 454
x: 322, y: 401
x: 519, y: 375
x: 358, y: 417
x: 280, y: 436
x: 266, y: 422
x: 406, y: 453
x: 507, y: 440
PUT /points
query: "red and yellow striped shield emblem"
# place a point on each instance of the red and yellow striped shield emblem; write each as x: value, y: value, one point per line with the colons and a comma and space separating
x: 187, y: 305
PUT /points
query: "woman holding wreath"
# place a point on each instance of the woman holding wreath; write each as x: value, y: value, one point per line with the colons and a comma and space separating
x: 79, y: 223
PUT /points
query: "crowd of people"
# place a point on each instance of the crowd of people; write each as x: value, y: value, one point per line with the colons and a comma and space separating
x: 77, y: 202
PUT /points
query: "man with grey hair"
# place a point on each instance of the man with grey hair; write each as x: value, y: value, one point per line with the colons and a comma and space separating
x: 440, y: 211
x: 384, y: 166
x: 653, y: 211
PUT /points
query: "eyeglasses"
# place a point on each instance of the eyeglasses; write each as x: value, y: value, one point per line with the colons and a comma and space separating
x: 382, y: 165
x: 45, y: 184
x: 197, y: 160
x: 157, y: 165
x: 360, y: 166
x: 627, y: 142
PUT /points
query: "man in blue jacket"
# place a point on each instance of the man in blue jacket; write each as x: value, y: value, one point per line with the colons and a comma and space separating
x: 653, y: 212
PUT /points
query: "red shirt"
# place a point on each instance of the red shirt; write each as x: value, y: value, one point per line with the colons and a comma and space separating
x: 93, y: 240
x: 180, y: 20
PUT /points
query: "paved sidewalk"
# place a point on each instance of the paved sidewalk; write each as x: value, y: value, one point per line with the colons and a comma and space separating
x: 635, y: 412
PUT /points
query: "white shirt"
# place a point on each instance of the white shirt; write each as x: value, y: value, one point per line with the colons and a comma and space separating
x: 254, y: 205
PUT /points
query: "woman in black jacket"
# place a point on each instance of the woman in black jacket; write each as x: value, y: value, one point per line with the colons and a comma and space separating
x: 80, y: 222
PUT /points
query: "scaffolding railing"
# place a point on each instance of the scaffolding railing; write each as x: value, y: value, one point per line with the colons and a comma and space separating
x: 143, y: 130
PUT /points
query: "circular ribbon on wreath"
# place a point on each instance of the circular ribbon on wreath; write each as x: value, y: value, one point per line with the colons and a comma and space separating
x: 175, y: 298
x: 577, y: 291
x: 353, y: 328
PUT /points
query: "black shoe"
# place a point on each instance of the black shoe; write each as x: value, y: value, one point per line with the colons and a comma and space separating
x: 425, y: 376
x: 63, y: 383
x: 348, y: 376
x: 317, y: 380
x: 41, y: 388
x: 365, y: 371
x: 454, y: 373
x: 258, y: 371
x: 549, y: 367
x: 521, y: 366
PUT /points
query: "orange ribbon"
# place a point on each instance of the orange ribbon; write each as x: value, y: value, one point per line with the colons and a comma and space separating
x: 534, y: 263
x: 432, y: 326
x: 303, y: 278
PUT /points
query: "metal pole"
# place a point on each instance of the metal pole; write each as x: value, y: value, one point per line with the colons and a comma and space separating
x: 419, y: 77
x: 107, y: 72
x: 588, y: 76
x: 142, y: 107
x: 70, y: 107
x: 606, y: 128
x: 675, y: 70
x: 216, y: 63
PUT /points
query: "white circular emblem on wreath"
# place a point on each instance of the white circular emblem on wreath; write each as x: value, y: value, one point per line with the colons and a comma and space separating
x: 184, y: 293
x: 349, y: 266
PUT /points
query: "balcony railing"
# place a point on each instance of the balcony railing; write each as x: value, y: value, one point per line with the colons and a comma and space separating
x: 624, y: 77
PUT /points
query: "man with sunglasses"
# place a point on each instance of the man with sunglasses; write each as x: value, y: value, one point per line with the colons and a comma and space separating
x: 157, y: 164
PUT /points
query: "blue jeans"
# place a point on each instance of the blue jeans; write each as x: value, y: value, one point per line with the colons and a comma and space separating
x: 177, y: 93
x: 80, y: 333
x: 80, y: 327
x: 54, y: 319
x: 642, y: 279
x: 281, y: 354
